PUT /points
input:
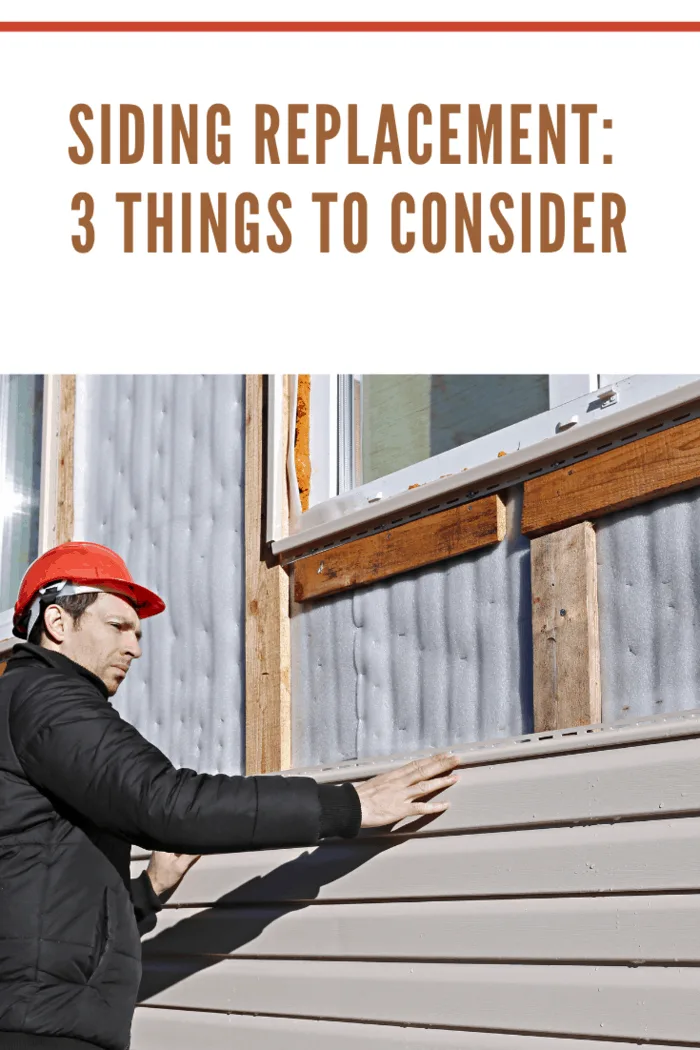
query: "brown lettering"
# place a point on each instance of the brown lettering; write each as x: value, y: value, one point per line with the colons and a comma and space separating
x: 296, y: 133
x: 387, y: 136
x: 325, y: 131
x: 447, y: 133
x: 128, y: 200
x: 517, y: 133
x: 251, y: 242
x: 187, y: 223
x: 277, y: 201
x: 551, y: 136
x: 434, y: 232
x: 353, y: 156
x: 158, y: 133
x: 547, y: 243
x: 481, y: 138
x: 399, y: 245
x: 215, y: 138
x: 212, y: 221
x: 162, y: 222
x: 418, y: 156
x: 84, y: 244
x: 582, y: 222
x: 355, y: 242
x: 325, y: 200
x: 127, y: 114
x: 612, y: 223
x: 506, y: 244
x: 584, y: 112
x: 265, y: 133
x: 81, y: 110
x: 527, y: 223
x: 470, y: 221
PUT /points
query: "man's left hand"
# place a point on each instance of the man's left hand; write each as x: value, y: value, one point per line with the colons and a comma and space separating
x: 167, y: 870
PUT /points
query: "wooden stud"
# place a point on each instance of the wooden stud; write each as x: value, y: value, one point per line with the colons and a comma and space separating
x: 653, y: 466
x: 268, y: 657
x: 3, y: 665
x: 66, y: 434
x: 410, y: 546
x: 302, y: 453
x: 566, y: 656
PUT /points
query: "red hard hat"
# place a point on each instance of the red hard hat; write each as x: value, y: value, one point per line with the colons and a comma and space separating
x: 90, y: 564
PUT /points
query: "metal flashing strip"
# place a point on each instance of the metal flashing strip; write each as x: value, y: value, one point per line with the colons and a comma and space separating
x: 655, y: 729
x: 658, y: 413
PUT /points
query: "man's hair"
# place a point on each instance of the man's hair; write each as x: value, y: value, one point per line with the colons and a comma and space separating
x: 74, y: 604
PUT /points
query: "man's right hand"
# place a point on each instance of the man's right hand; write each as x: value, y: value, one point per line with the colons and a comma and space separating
x: 395, y: 795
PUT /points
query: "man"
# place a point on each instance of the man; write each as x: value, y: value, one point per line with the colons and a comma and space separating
x: 79, y: 785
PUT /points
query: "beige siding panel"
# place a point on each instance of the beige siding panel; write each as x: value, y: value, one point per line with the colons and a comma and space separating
x: 565, y: 789
x: 663, y: 928
x: 616, y: 858
x: 628, y: 782
x: 646, y: 1002
x: 179, y: 1030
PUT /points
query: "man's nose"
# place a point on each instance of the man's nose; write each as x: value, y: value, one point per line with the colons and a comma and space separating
x: 134, y: 649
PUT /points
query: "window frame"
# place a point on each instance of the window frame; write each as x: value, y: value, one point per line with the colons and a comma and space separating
x: 620, y: 402
x: 47, y: 491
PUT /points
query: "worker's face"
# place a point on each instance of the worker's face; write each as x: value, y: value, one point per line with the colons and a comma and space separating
x: 105, y: 640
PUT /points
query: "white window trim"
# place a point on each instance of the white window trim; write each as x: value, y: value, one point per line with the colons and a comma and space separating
x: 469, y: 467
x: 48, y: 491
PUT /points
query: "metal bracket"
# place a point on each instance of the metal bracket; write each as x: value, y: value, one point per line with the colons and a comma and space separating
x: 608, y: 396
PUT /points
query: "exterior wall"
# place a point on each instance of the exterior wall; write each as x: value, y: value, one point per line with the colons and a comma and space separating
x: 443, y: 656
x: 552, y: 909
x: 435, y: 657
x: 159, y: 477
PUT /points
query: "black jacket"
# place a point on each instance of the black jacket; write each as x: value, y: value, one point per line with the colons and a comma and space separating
x: 78, y: 786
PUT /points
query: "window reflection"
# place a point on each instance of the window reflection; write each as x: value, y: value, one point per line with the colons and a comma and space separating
x: 21, y: 412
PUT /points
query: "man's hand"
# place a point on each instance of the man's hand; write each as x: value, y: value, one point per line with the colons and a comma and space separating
x: 393, y: 796
x: 167, y: 870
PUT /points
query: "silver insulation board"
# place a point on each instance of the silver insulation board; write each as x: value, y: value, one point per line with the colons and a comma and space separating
x: 159, y: 478
x: 431, y: 658
x: 649, y: 605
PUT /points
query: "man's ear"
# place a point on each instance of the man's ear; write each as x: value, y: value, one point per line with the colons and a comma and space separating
x: 55, y: 623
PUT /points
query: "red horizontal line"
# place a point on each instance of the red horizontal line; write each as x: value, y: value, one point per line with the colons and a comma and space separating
x: 349, y: 27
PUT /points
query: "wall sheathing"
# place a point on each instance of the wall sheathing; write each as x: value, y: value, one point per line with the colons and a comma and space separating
x: 159, y: 478
x: 649, y: 606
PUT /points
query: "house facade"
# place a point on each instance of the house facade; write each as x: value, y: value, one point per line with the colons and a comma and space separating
x: 360, y: 569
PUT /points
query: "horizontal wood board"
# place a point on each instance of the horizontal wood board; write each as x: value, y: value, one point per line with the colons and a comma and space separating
x: 412, y: 545
x: 646, y: 1002
x: 633, y: 473
x: 661, y: 928
x: 181, y: 1030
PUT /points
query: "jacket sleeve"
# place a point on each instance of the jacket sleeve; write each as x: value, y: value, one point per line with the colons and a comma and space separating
x: 75, y: 746
x: 146, y: 903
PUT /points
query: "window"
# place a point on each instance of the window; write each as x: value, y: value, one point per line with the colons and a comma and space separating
x: 380, y: 444
x: 21, y: 432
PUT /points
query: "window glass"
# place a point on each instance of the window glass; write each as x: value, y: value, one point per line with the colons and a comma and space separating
x: 408, y: 418
x: 21, y: 411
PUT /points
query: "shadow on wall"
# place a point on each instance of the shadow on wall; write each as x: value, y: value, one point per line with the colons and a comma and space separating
x: 199, y: 942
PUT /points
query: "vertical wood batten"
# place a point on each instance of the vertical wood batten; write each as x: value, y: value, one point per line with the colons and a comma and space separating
x: 267, y: 633
x: 65, y: 453
x: 565, y: 636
